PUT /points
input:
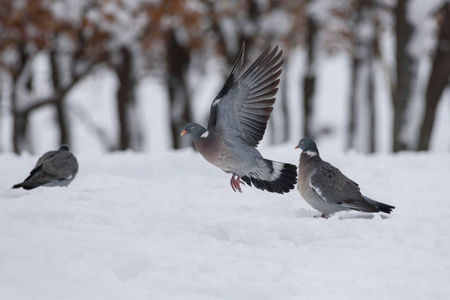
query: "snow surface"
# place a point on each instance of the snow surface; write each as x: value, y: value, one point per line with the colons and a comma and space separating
x: 168, y: 226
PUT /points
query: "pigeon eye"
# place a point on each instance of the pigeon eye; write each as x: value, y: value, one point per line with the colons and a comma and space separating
x: 192, y: 128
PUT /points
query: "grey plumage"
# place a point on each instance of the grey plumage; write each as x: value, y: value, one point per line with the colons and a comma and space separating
x: 326, y: 189
x: 237, y: 122
x: 54, y: 168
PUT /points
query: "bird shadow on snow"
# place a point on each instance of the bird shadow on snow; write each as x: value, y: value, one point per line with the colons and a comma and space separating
x: 359, y: 215
x: 307, y: 213
x: 11, y: 195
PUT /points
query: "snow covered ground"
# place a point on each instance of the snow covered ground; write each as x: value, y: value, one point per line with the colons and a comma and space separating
x: 168, y: 226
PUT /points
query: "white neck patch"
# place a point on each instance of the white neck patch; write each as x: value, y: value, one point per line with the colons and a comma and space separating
x: 215, y: 102
x: 311, y: 153
x: 205, y: 134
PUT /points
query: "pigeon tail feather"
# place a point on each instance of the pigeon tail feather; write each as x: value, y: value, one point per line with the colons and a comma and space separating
x: 27, y: 185
x: 16, y: 186
x: 275, y: 177
x: 386, y: 208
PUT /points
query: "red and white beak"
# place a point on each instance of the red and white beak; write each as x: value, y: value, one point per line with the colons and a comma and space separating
x: 183, y: 132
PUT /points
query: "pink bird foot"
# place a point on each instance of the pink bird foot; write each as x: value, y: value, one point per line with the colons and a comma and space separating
x: 236, y: 182
x: 322, y: 216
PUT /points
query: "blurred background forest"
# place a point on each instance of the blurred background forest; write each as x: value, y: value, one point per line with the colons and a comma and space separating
x: 107, y: 75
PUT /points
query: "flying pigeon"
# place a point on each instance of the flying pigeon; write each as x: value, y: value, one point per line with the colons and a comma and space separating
x: 326, y: 189
x: 54, y: 168
x: 237, y: 122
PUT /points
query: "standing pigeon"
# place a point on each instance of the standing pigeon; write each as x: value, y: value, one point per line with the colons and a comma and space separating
x: 326, y: 189
x: 54, y: 168
x: 237, y: 122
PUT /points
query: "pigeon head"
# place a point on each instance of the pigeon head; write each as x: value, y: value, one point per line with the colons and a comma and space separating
x: 64, y: 148
x: 195, y: 130
x: 308, y: 146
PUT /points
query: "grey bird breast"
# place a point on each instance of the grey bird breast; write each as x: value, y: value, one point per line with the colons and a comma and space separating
x: 224, y: 154
x: 308, y: 169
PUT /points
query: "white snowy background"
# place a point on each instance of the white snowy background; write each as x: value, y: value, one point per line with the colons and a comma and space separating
x: 168, y: 226
x: 165, y: 224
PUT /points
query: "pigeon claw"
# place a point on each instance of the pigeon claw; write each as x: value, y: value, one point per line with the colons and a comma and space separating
x: 322, y: 216
x: 236, y: 182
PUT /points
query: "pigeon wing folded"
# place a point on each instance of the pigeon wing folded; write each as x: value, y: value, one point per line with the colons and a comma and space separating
x: 334, y: 187
x: 61, y: 166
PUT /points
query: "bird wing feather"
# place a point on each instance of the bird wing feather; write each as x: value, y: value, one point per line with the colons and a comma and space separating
x: 334, y: 187
x: 242, y: 108
x: 60, y: 166
x: 48, y: 155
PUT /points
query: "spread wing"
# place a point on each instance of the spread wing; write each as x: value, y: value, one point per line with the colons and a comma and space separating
x: 243, y: 106
x: 333, y: 186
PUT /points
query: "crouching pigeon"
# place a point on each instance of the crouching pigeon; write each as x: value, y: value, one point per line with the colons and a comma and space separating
x: 237, y: 122
x: 326, y: 189
x: 54, y: 168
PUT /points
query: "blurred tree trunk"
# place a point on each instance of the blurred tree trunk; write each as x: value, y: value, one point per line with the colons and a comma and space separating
x: 309, y: 78
x: 362, y: 82
x: 20, y: 142
x: 19, y: 76
x: 351, y: 126
x: 283, y: 98
x: 281, y: 113
x: 371, y: 101
x: 438, y: 80
x: 178, y: 58
x: 406, y: 71
x: 64, y: 133
x: 130, y: 136
x: 2, y: 105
